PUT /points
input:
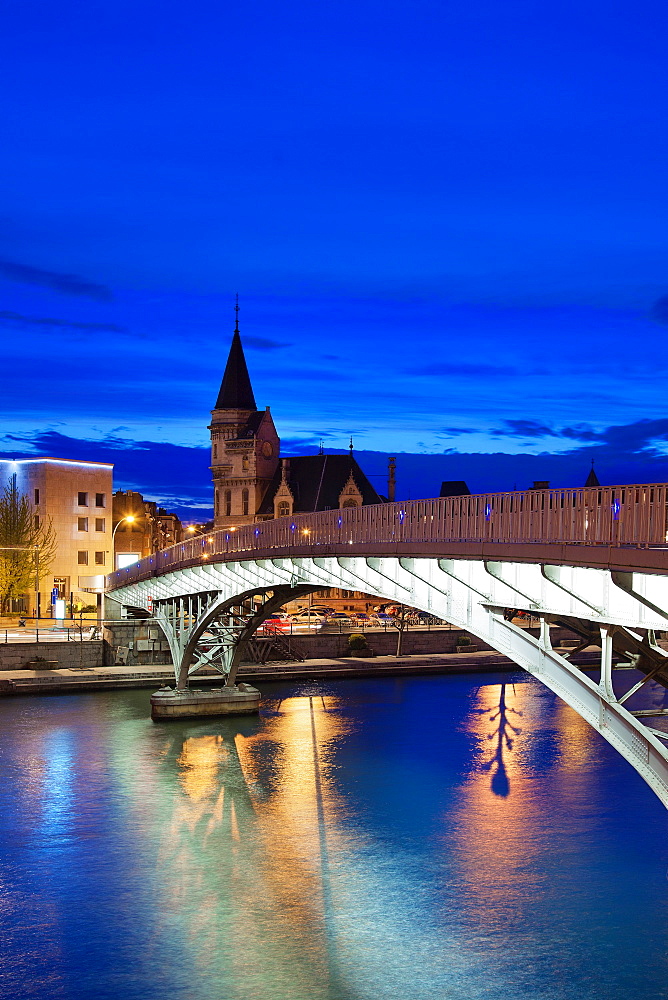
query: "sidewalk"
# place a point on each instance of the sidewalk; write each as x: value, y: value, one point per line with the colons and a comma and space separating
x: 59, y: 681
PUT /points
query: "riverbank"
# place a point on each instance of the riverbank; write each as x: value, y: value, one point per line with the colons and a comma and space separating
x: 70, y: 679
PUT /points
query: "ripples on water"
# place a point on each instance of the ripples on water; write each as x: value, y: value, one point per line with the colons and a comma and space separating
x: 413, y: 838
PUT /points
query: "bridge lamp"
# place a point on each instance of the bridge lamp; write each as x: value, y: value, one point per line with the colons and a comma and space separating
x: 306, y: 531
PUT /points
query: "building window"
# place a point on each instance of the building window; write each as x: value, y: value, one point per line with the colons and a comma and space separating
x: 244, y: 463
x: 99, y: 524
x: 228, y: 503
x: 99, y: 558
x: 36, y: 496
x: 217, y: 504
x: 100, y: 500
x: 215, y: 451
x: 82, y: 499
x: 82, y: 558
x: 83, y: 523
x: 244, y: 502
x: 283, y: 508
x: 350, y: 503
x: 60, y: 584
x: 36, y: 521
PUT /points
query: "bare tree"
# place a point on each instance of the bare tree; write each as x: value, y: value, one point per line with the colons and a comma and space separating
x: 27, y: 545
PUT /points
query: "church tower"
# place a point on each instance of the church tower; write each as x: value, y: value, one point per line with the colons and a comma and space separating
x: 244, y: 444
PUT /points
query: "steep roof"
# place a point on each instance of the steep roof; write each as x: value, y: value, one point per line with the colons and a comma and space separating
x: 316, y: 482
x: 236, y: 392
x: 454, y: 488
x: 592, y: 478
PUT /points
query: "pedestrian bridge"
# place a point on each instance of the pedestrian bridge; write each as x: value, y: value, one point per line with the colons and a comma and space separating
x: 595, y: 560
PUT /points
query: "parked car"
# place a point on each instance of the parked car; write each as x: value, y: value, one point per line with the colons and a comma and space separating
x: 383, y: 619
x: 277, y: 622
x: 304, y: 616
x: 339, y: 618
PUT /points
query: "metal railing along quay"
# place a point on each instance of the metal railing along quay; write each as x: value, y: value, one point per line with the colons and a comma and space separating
x: 634, y: 516
x: 48, y: 632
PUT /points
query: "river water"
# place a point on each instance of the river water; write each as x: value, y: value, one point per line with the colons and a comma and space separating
x: 425, y: 838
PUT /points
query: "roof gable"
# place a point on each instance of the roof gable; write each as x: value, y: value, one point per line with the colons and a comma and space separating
x: 317, y: 481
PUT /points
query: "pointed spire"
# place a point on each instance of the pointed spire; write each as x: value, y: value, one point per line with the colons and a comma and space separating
x: 236, y: 392
x: 592, y: 478
x: 351, y: 446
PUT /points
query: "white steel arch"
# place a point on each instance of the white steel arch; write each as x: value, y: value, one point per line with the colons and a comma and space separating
x: 625, y: 608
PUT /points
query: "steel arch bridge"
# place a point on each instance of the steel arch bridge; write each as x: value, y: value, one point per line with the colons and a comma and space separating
x: 211, y: 593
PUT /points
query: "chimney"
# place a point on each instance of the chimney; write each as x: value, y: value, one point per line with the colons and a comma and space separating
x: 391, y: 479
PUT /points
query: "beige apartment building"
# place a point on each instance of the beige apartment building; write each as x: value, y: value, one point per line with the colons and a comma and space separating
x: 77, y: 498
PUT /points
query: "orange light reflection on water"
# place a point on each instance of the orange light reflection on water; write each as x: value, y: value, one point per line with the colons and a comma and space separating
x: 502, y: 823
x: 263, y: 806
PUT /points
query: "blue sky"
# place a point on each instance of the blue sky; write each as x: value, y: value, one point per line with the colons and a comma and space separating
x: 446, y: 223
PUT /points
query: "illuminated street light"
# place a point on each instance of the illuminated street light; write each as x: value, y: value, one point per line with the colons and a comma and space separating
x: 130, y: 518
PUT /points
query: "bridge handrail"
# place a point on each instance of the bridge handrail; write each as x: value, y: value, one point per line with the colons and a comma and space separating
x: 632, y: 515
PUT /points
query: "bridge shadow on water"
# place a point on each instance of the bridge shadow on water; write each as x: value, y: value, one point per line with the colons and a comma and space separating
x: 503, y: 733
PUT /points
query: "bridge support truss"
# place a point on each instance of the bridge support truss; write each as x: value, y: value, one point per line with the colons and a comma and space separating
x: 211, y: 630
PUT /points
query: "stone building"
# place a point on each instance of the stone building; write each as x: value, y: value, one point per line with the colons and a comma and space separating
x: 251, y: 481
x: 76, y: 497
x: 152, y: 527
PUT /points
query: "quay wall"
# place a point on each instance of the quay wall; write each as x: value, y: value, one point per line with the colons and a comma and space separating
x: 143, y: 644
x: 69, y: 655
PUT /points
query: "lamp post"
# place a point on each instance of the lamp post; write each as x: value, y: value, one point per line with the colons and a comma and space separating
x: 130, y: 518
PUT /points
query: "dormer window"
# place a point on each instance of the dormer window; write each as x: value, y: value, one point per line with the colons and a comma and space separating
x: 350, y: 495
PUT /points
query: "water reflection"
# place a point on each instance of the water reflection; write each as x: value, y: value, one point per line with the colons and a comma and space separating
x: 381, y: 841
x: 261, y: 807
x: 503, y: 733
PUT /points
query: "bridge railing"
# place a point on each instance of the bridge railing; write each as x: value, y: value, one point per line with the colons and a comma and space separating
x: 634, y: 515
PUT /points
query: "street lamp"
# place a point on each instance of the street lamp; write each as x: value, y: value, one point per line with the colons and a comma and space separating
x: 130, y: 518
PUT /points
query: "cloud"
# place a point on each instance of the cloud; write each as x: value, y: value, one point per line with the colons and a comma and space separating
x: 449, y: 431
x: 68, y: 284
x: 461, y: 368
x: 659, y: 310
x: 524, y: 429
x: 18, y: 319
x: 178, y: 477
x: 264, y: 344
x: 174, y: 475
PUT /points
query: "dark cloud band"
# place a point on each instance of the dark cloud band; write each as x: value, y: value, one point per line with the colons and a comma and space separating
x: 68, y: 284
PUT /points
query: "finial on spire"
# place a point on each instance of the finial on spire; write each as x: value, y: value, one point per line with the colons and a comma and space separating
x: 322, y: 447
x: 236, y: 310
x: 351, y: 446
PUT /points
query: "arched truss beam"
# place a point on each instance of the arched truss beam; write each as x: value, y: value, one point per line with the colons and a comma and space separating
x: 212, y: 629
x: 619, y: 612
